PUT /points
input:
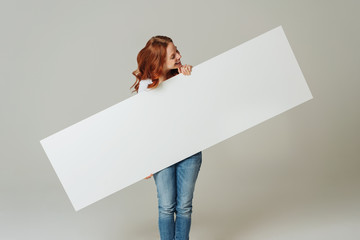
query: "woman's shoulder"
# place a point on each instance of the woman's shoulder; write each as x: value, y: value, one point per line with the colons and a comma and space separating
x: 144, y: 84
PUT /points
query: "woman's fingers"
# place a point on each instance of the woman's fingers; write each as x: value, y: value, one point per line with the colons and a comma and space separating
x: 149, y: 176
x: 185, y: 69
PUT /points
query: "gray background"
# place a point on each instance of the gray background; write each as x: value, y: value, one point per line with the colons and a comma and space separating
x: 295, y: 176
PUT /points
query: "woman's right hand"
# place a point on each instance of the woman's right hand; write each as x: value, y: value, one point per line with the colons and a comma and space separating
x: 185, y: 69
x: 149, y: 176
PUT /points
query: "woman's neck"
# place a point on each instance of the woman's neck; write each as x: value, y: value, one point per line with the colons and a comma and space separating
x: 163, y: 77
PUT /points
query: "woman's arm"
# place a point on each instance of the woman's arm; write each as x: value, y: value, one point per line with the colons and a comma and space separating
x: 184, y: 69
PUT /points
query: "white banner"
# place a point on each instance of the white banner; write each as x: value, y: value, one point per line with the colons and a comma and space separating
x: 145, y: 133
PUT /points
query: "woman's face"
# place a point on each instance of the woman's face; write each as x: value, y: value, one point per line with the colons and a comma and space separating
x: 172, y: 58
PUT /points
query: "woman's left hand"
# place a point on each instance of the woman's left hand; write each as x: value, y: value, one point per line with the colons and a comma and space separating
x: 185, y: 69
x: 149, y: 176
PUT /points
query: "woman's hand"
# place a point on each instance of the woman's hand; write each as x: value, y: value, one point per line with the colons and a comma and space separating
x: 185, y: 69
x: 149, y: 176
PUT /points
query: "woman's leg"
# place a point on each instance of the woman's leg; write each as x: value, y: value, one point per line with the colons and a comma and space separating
x: 186, y: 175
x: 166, y: 192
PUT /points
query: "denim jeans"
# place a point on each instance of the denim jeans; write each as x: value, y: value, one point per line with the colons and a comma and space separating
x: 175, y: 188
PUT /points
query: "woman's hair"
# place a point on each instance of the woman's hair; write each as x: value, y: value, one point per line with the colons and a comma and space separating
x: 151, y: 60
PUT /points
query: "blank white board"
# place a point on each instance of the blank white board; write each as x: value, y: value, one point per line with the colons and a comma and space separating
x: 145, y: 133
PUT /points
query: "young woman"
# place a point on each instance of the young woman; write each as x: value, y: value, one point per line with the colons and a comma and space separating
x: 158, y: 61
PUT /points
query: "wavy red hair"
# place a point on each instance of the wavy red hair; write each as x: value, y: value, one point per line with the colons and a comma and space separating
x: 151, y: 60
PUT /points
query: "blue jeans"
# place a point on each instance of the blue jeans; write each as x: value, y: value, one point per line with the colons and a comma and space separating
x: 175, y: 188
